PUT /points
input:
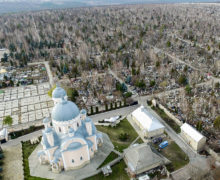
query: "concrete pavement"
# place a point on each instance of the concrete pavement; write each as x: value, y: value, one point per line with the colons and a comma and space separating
x: 12, y: 168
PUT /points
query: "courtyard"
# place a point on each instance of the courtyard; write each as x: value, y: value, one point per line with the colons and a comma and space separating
x: 122, y: 135
x: 43, y: 171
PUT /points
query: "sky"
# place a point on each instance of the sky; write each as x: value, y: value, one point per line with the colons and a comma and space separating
x: 10, y: 6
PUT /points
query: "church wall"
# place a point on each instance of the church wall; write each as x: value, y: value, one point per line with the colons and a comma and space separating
x: 89, y: 128
x: 76, y: 158
x: 63, y: 127
x: 93, y: 139
x: 50, y: 153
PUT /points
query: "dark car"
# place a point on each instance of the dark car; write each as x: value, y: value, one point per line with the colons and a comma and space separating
x: 157, y: 140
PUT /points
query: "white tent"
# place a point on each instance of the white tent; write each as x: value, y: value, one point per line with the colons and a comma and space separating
x: 194, y: 138
x: 112, y: 119
x: 147, y: 122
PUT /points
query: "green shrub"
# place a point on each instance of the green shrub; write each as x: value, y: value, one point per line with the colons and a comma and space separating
x: 123, y: 136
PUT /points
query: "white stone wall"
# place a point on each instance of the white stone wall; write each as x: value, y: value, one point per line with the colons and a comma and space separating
x: 75, y: 159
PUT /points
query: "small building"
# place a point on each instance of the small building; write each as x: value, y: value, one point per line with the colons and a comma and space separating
x: 149, y: 125
x: 194, y: 138
x: 140, y: 158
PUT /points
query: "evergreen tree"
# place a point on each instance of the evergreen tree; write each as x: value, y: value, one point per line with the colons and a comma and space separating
x: 97, y: 109
x: 92, y: 110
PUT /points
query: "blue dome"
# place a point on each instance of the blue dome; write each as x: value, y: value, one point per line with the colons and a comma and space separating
x: 83, y: 111
x: 65, y: 111
x: 46, y: 120
x: 58, y: 92
x: 71, y: 130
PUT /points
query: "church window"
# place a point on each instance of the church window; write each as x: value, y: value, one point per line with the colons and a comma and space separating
x: 72, y: 160
x: 81, y: 158
x: 77, y: 124
x: 59, y: 129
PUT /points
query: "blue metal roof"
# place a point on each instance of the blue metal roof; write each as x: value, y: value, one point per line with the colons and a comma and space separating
x: 73, y: 146
x: 48, y: 130
x: 58, y: 92
x: 71, y: 130
x: 90, y: 143
x: 81, y: 131
x: 46, y: 120
x: 65, y: 111
x: 55, y: 136
x: 57, y: 153
x: 83, y: 111
x: 87, y: 119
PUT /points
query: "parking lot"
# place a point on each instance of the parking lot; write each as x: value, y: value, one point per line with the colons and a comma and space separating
x: 25, y: 103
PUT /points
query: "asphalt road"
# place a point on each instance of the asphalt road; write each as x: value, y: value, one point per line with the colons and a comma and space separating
x: 195, y: 159
x: 122, y: 111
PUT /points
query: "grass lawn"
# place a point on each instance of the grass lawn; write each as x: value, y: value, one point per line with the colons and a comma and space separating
x: 114, y: 133
x: 175, y: 154
x: 110, y: 158
x: 27, y: 149
x: 118, y: 172
x: 167, y: 119
x: 139, y: 141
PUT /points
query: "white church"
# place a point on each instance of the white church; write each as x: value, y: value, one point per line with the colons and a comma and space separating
x: 70, y: 138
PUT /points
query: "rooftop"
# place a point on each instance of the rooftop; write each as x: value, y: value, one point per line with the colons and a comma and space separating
x: 147, y: 120
x: 193, y: 133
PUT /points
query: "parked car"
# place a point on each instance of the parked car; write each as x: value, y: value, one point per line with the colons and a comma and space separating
x: 157, y: 140
x: 163, y: 144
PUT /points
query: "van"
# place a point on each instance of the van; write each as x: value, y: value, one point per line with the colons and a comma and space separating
x: 163, y: 145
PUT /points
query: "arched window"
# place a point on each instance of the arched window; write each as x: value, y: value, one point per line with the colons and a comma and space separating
x: 77, y: 124
x: 59, y: 129
x: 72, y: 160
x: 81, y: 158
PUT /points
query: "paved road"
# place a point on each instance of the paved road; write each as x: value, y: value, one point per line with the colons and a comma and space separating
x: 47, y: 66
x: 123, y: 111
